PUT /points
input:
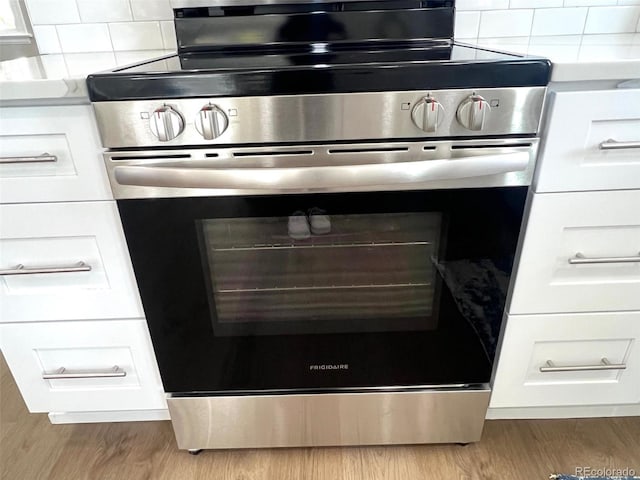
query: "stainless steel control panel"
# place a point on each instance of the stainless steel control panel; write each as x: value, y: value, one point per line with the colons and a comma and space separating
x: 334, y: 117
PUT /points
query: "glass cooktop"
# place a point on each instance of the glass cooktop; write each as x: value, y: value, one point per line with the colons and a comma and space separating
x: 319, y: 69
x: 318, y: 57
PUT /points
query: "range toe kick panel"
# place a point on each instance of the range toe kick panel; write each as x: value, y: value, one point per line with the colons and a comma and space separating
x: 329, y: 419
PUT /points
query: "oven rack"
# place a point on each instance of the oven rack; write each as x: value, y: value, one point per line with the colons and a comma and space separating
x: 324, y: 287
x: 317, y: 245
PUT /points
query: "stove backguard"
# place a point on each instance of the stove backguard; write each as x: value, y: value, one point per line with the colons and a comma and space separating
x: 318, y: 25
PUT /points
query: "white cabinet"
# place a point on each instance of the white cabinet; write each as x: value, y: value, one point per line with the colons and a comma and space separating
x: 81, y: 252
x: 51, y: 154
x: 102, y: 365
x: 569, y: 359
x: 71, y: 321
x: 571, y: 344
x: 581, y: 253
x: 573, y: 156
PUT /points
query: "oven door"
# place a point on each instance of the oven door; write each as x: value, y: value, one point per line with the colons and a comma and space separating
x: 324, y: 291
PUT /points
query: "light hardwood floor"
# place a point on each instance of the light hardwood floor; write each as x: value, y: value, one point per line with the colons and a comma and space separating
x: 32, y: 448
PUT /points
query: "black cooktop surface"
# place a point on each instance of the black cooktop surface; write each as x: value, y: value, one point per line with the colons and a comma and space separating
x: 316, y: 69
x: 317, y: 58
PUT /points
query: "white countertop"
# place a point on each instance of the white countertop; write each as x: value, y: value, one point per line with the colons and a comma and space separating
x: 574, y: 57
x: 578, y: 58
x: 61, y: 76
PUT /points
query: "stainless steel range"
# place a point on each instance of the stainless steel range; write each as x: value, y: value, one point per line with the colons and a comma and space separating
x: 322, y: 202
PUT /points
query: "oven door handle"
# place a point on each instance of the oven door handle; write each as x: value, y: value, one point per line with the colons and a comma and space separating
x: 322, y: 177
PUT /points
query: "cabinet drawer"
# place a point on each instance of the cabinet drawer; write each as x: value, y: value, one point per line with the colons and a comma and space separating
x: 50, y: 154
x: 110, y: 364
x: 75, y: 264
x: 572, y: 157
x: 601, y: 227
x: 579, y: 347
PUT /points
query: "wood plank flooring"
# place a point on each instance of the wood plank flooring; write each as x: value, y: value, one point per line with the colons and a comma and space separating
x: 32, y: 448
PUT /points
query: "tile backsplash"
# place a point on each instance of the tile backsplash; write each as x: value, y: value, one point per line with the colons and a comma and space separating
x: 523, y: 18
x: 83, y: 26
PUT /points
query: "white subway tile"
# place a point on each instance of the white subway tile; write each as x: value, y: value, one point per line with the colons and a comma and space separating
x: 516, y: 45
x: 481, y: 54
x: 604, y: 52
x: 151, y: 9
x: 559, y: 21
x: 497, y: 41
x: 506, y: 23
x: 557, y: 52
x: 54, y: 66
x: 47, y: 39
x: 556, y: 40
x: 130, y: 57
x: 609, y: 39
x: 481, y: 4
x: 168, y: 35
x: 86, y: 63
x: 535, y: 3
x: 589, y: 3
x: 628, y: 2
x: 104, y: 11
x: 86, y: 37
x: 467, y: 24
x: 52, y: 12
x: 559, y: 47
x: 136, y: 36
x: 500, y: 42
x: 612, y: 19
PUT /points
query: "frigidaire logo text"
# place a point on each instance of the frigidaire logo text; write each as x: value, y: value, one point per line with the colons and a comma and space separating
x: 342, y: 366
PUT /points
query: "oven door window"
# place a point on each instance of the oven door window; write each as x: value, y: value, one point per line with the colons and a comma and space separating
x: 322, y: 273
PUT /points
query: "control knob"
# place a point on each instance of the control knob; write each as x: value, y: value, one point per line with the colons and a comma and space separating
x: 427, y: 114
x: 211, y: 122
x: 472, y: 112
x: 166, y: 123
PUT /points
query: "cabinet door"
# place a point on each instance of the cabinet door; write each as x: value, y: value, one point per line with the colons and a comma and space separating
x: 50, y: 154
x: 581, y: 253
x: 591, y: 142
x: 578, y: 359
x: 65, y: 261
x: 83, y: 366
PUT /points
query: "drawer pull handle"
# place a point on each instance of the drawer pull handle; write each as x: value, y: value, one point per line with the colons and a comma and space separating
x: 603, y: 365
x: 62, y: 373
x: 44, y: 158
x: 612, y: 144
x: 580, y: 259
x: 22, y: 270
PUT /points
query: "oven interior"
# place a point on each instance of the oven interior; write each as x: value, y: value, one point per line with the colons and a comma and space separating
x: 365, y: 267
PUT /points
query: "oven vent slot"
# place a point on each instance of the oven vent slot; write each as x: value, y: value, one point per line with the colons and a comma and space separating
x: 369, y: 150
x: 271, y: 153
x: 211, y: 155
x: 150, y: 157
x: 500, y: 145
x: 429, y: 149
